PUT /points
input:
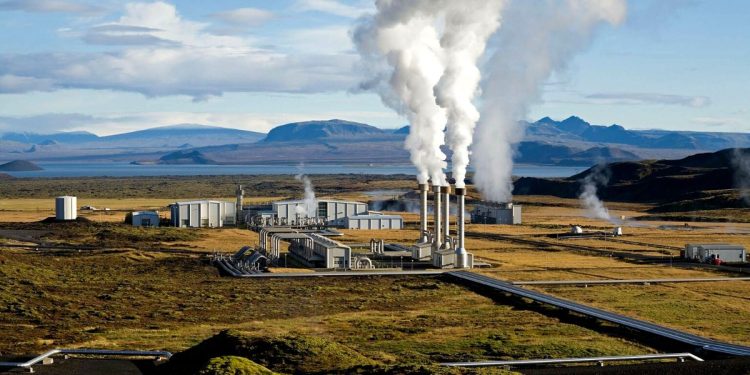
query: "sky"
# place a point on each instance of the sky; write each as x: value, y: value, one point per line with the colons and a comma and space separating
x: 114, y: 66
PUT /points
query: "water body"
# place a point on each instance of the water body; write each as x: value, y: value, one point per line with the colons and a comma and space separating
x: 129, y: 170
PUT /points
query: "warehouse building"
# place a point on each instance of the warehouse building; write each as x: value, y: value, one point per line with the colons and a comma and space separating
x: 202, y: 214
x: 494, y: 213
x: 327, y: 212
x: 705, y: 252
x: 66, y: 208
x: 321, y: 252
x: 374, y: 220
x: 145, y: 218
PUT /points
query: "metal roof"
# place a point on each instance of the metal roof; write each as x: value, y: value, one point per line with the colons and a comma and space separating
x: 375, y: 216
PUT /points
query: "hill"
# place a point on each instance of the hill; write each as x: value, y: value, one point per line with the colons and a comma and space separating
x: 36, y: 138
x: 708, y: 180
x: 313, y: 130
x: 182, y: 134
x: 19, y: 166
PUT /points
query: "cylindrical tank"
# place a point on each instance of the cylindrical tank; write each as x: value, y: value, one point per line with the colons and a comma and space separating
x: 66, y: 208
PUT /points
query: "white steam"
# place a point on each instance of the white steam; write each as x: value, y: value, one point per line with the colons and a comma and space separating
x: 402, y: 38
x: 310, y: 204
x: 589, y: 186
x: 741, y: 163
x: 468, y: 25
x: 538, y: 38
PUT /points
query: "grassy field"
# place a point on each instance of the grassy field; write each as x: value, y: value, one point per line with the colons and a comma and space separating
x: 154, y: 301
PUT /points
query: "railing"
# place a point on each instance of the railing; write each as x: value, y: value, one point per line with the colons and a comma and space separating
x: 95, y: 352
x: 526, y: 362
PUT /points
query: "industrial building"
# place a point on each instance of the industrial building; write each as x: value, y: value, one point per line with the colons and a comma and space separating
x: 326, y: 212
x: 145, y: 218
x: 374, y: 220
x: 321, y: 252
x: 203, y: 213
x: 496, y: 213
x: 706, y: 252
x: 66, y: 208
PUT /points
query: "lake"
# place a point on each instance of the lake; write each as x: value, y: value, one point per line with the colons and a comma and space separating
x: 129, y: 170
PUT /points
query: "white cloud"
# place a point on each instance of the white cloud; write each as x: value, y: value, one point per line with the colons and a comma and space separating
x: 115, y: 123
x: 244, y: 16
x: 650, y: 98
x: 170, y: 55
x: 47, y: 6
x: 718, y: 121
x: 331, y: 7
x: 10, y: 83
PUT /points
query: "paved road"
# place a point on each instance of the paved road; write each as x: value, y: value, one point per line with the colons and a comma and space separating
x: 639, y: 325
x: 628, y: 281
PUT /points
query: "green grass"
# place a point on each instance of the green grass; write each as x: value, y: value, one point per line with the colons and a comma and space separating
x: 142, y: 300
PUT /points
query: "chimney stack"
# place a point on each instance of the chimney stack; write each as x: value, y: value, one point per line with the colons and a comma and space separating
x: 437, y: 236
x: 423, y: 189
x: 446, y: 191
x: 461, y: 255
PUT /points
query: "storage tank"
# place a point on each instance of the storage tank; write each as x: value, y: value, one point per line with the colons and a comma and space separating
x: 66, y: 208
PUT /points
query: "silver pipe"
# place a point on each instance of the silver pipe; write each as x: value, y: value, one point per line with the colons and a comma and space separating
x: 461, y: 255
x: 680, y: 356
x: 423, y: 188
x: 438, y: 237
x: 98, y: 352
x: 446, y: 190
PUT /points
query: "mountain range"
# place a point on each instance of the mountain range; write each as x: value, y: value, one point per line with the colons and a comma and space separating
x: 572, y: 141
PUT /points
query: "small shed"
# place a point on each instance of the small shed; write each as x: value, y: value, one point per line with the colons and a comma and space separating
x: 726, y: 252
x: 66, y: 208
x: 145, y: 218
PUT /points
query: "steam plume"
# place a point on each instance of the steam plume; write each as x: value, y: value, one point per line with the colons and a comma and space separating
x: 310, y: 203
x: 468, y: 25
x: 741, y: 164
x: 591, y: 202
x: 538, y: 38
x: 400, y: 45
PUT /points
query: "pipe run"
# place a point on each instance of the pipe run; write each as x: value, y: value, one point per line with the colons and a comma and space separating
x: 461, y: 254
x: 680, y: 356
x: 96, y: 352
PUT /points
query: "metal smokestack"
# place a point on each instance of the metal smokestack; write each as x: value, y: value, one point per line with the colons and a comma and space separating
x: 446, y: 191
x: 423, y: 189
x: 461, y: 255
x: 438, y: 237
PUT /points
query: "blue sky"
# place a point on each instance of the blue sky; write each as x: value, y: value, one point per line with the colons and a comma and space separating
x: 113, y: 66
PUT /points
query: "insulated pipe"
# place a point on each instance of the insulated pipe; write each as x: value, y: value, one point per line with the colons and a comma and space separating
x: 423, y: 189
x: 438, y: 237
x: 446, y: 191
x: 461, y: 255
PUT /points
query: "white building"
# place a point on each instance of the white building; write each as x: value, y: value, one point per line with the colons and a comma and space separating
x: 66, y: 208
x: 727, y: 253
x: 203, y: 213
x: 329, y: 212
x: 374, y: 221
x: 145, y: 218
x: 489, y: 213
x: 321, y: 252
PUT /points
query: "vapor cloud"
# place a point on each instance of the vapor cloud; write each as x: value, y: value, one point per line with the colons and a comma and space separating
x: 47, y: 6
x: 537, y: 39
x: 651, y: 98
x: 599, y: 176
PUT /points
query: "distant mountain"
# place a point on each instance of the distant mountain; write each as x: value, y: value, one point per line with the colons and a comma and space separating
x: 186, y: 157
x: 553, y: 153
x: 175, y: 136
x: 314, y: 130
x: 19, y: 166
x: 35, y: 138
x: 574, y: 128
x: 699, y: 178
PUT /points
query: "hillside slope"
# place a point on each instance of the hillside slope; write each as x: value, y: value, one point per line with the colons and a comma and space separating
x: 707, y: 180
